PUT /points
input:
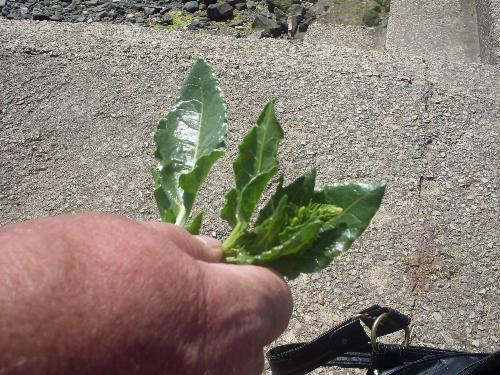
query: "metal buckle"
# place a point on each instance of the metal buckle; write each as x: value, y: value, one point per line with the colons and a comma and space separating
x: 406, y: 341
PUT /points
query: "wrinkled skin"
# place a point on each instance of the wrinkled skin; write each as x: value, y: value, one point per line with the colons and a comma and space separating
x: 102, y: 294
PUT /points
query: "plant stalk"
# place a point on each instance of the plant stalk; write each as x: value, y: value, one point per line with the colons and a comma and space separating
x: 237, y: 232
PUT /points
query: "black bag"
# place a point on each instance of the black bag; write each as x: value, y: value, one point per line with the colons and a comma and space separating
x: 347, y: 345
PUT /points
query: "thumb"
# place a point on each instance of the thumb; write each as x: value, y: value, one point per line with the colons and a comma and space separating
x: 202, y: 248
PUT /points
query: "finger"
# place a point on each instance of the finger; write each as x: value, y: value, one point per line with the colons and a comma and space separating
x: 277, y: 305
x: 263, y: 298
x: 203, y: 248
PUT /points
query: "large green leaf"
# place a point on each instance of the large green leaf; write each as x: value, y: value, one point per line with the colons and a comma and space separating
x: 255, y: 165
x: 188, y: 142
x: 359, y: 202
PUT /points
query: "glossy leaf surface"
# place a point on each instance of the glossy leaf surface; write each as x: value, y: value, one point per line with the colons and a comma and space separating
x: 188, y: 142
x: 255, y: 165
x: 359, y: 202
x: 303, y: 234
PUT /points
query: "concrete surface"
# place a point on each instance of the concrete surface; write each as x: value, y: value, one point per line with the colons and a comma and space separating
x: 346, y: 36
x: 436, y: 29
x: 488, y: 16
x: 79, y: 104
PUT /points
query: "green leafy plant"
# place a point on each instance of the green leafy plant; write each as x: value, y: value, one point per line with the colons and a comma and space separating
x: 299, y: 230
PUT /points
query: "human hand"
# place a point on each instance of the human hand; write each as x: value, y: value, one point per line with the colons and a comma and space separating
x: 101, y: 294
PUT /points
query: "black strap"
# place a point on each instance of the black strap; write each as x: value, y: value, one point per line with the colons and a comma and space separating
x: 345, y: 344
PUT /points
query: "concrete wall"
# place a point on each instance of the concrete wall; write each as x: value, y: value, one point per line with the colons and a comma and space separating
x: 488, y: 19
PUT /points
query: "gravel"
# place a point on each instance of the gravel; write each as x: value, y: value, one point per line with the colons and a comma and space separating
x: 79, y: 105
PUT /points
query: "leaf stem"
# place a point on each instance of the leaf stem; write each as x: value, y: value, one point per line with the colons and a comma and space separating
x: 237, y: 232
x: 181, y: 218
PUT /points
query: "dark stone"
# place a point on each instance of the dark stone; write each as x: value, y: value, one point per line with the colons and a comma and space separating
x: 219, y: 12
x: 12, y: 14
x: 194, y: 25
x: 101, y: 15
x: 267, y: 25
x: 191, y: 6
x: 281, y: 4
x: 234, y: 2
x: 280, y: 17
x: 2, y: 3
x: 309, y: 17
x: 296, y: 10
x: 208, y: 2
x: 5, y: 11
x: 303, y: 26
x: 167, y: 20
x: 40, y: 16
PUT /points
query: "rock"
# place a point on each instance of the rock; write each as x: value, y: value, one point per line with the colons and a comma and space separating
x: 167, y: 20
x: 306, y: 21
x: 12, y: 14
x: 195, y: 24
x: 101, y: 15
x: 267, y: 25
x: 219, y: 11
x: 56, y: 17
x: 280, y: 17
x: 208, y: 2
x: 191, y: 6
x: 256, y: 35
x: 203, y: 6
x: 24, y: 11
x: 234, y: 2
x: 2, y: 3
x: 251, y: 4
x: 38, y: 15
x: 240, y: 6
x: 296, y: 10
x: 281, y: 4
x: 149, y: 11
